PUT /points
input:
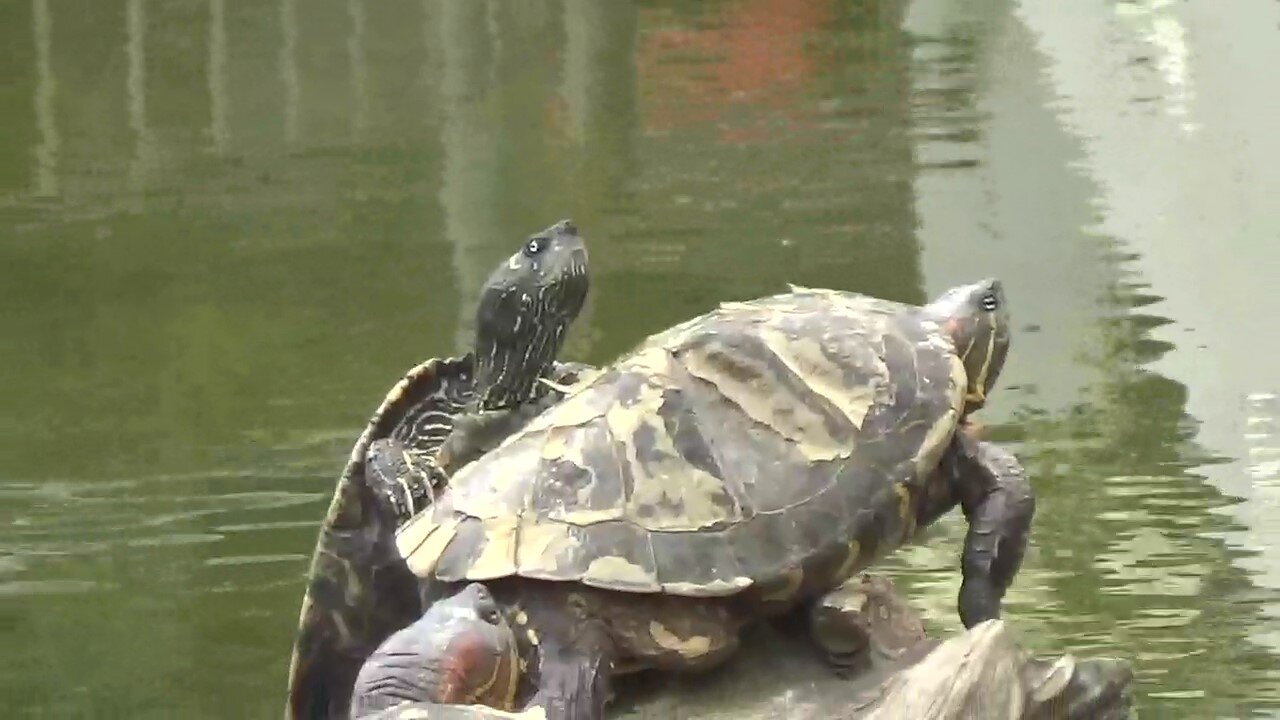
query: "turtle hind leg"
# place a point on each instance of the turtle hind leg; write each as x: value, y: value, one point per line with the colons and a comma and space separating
x: 863, y: 621
x: 401, y: 482
x: 999, y: 504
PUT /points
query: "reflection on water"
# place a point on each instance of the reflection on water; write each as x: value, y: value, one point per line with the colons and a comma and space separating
x: 46, y: 152
x: 227, y: 227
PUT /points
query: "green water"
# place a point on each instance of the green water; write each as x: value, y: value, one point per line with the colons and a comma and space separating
x: 227, y: 226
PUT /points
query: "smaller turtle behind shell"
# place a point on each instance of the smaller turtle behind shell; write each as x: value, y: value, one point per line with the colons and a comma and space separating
x: 358, y: 589
x: 469, y: 405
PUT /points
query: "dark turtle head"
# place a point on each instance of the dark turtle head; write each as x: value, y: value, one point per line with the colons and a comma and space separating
x: 525, y: 310
x: 984, y: 670
x: 461, y: 652
x: 976, y: 319
x: 1068, y: 687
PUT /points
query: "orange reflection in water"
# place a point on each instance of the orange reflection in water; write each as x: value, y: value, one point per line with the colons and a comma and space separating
x: 755, y: 58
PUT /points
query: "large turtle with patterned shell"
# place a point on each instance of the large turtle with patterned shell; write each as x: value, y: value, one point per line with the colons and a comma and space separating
x: 443, y: 412
x: 739, y: 465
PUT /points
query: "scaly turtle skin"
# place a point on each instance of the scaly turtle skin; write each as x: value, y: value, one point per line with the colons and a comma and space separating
x: 359, y: 590
x: 733, y: 467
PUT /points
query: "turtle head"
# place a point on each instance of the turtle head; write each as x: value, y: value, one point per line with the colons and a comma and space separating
x: 976, y: 319
x: 460, y: 652
x: 525, y: 310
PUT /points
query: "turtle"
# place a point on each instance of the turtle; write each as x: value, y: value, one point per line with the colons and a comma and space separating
x: 354, y: 597
x: 470, y: 403
x: 737, y: 466
x: 981, y: 674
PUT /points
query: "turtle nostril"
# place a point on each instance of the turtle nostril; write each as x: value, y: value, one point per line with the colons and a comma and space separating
x: 568, y: 227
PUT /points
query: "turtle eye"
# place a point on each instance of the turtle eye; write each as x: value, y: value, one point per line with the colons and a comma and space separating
x: 534, y: 246
x: 990, y: 302
x: 489, y: 614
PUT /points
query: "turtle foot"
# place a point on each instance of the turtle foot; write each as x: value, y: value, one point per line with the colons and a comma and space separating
x: 864, y: 622
x: 401, y: 482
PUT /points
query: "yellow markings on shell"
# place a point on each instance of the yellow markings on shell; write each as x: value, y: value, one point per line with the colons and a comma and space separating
x: 850, y: 564
x: 715, y: 588
x: 579, y: 408
x: 665, y: 481
x: 422, y: 560
x: 745, y: 382
x: 614, y: 571
x: 568, y: 444
x: 498, y: 557
x: 541, y: 543
x: 555, y: 444
x: 794, y: 577
x: 693, y: 647
x: 652, y: 362
x: 497, y: 485
x: 413, y: 533
x: 804, y: 357
x: 582, y: 518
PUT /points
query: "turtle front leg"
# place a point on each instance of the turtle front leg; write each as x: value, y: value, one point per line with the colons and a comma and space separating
x: 863, y: 621
x: 477, y: 432
x: 574, y: 673
x: 999, y: 504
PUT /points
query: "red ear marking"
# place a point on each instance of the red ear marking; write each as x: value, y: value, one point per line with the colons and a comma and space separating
x: 468, y: 666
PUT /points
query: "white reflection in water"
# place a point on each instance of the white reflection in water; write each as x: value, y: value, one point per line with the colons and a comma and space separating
x: 358, y: 57
x: 218, y: 95
x: 289, y: 67
x: 1154, y: 22
x: 46, y: 91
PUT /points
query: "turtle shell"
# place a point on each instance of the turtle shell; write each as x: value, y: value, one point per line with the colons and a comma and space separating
x: 726, y: 452
x: 358, y: 590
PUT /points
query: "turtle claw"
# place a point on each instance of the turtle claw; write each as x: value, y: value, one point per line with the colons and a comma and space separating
x: 863, y: 622
x: 399, y: 481
x: 562, y: 389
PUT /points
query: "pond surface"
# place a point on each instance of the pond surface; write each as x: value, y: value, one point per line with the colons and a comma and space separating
x: 226, y: 228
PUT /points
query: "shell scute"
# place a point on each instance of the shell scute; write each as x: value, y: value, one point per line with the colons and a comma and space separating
x: 718, y: 571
